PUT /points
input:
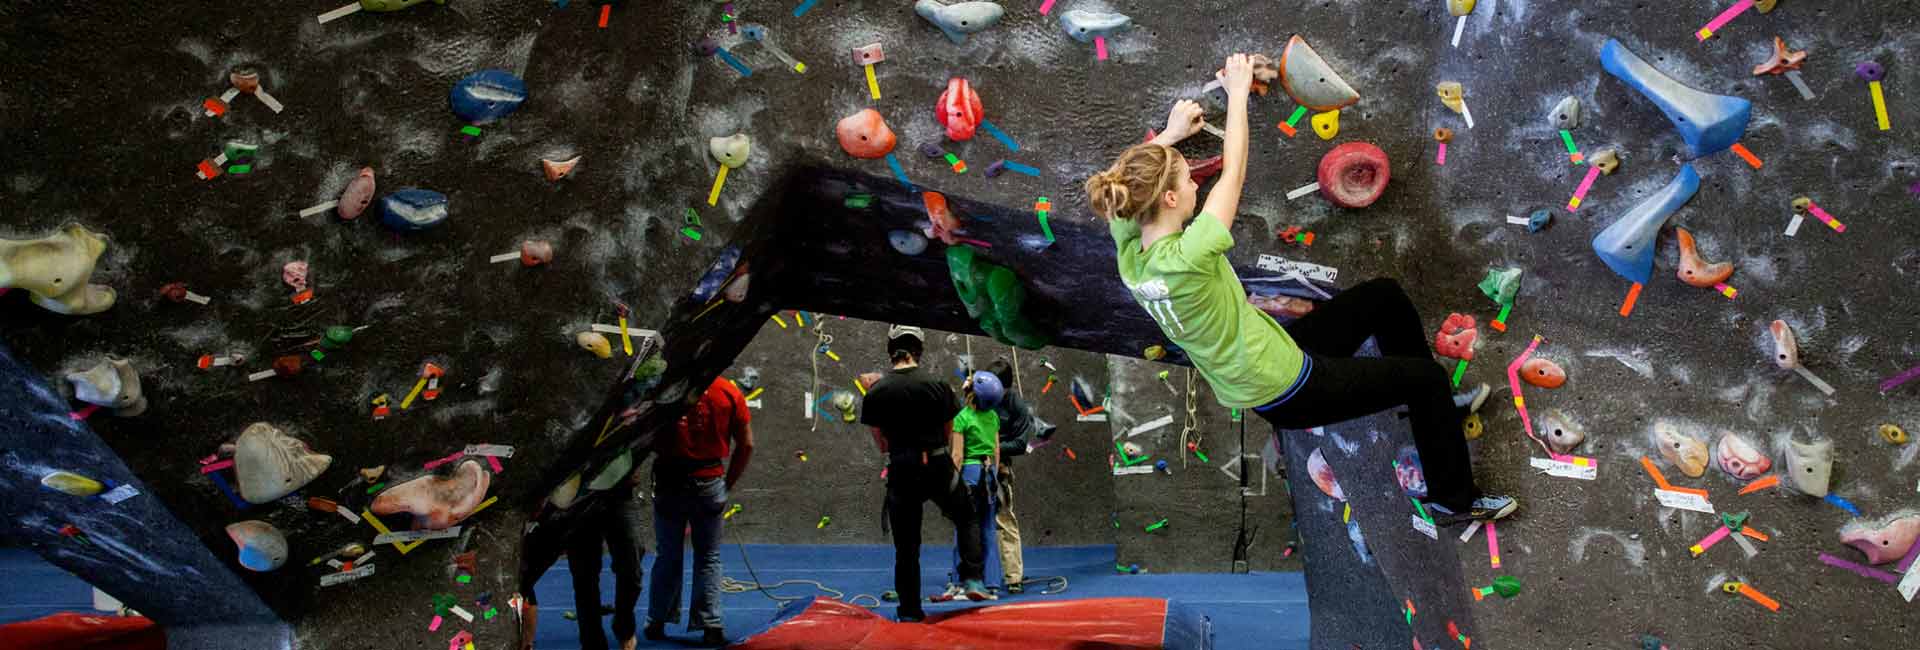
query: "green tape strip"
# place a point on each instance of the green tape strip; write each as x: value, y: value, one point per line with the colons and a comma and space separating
x: 1568, y: 138
x: 1504, y: 310
x: 690, y: 233
x: 1458, y: 372
x: 239, y: 169
x: 1046, y: 228
x: 1156, y: 525
x: 1298, y: 112
x: 470, y: 130
x: 1422, y: 509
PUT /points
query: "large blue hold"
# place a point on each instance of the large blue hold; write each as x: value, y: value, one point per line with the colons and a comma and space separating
x: 488, y: 95
x: 1709, y: 123
x: 1627, y: 245
x: 413, y: 209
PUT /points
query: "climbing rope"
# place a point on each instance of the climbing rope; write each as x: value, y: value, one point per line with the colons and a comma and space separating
x: 1189, y: 434
x: 1017, y: 389
x: 821, y: 339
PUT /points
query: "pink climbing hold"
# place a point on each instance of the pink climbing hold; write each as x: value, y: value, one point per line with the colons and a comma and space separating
x: 295, y: 275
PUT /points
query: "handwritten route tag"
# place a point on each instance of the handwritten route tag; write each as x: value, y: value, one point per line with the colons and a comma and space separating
x: 122, y: 493
x: 1097, y: 417
x: 415, y: 535
x: 1910, y: 583
x: 1280, y: 264
x: 1683, y: 500
x: 502, y: 451
x: 1153, y: 425
x: 332, y: 579
x: 1424, y: 527
x: 1136, y: 469
x: 1565, y: 469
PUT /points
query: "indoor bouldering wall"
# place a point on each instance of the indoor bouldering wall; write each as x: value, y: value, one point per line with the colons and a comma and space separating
x: 117, y: 140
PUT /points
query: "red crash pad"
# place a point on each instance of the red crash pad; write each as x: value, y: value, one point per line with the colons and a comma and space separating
x: 1090, y: 624
x: 77, y: 631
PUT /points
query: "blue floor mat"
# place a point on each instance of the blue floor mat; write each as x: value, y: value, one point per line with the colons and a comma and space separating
x: 34, y: 588
x: 1257, y: 611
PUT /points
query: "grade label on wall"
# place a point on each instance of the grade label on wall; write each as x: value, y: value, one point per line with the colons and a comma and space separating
x: 1313, y: 272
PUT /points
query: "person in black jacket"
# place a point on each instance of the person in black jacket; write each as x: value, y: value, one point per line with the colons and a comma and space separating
x: 1019, y: 425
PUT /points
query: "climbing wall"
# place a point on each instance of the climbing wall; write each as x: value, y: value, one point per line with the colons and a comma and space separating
x: 117, y: 142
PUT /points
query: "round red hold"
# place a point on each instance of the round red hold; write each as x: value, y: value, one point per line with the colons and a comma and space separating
x: 1354, y: 175
x: 286, y: 366
x: 175, y: 291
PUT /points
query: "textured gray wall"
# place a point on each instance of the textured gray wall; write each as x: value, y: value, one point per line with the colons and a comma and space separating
x: 109, y: 139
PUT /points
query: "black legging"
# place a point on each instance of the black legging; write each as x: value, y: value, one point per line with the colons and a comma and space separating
x: 1342, y: 387
x: 617, y: 524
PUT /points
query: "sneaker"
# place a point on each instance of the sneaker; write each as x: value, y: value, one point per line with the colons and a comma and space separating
x: 1472, y: 400
x: 977, y: 590
x: 714, y: 636
x: 953, y: 592
x: 656, y: 631
x: 1016, y: 587
x: 1485, y: 508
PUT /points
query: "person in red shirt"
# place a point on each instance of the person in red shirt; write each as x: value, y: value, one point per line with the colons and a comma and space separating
x: 690, y: 486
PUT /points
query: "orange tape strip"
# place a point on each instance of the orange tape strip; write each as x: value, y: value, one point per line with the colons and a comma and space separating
x: 1746, y: 155
x: 1633, y: 295
x: 1750, y: 532
x: 1658, y: 478
x: 1750, y: 592
x: 1761, y: 483
x: 1287, y: 129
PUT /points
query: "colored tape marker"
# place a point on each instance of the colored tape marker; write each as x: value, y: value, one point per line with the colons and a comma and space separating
x: 1593, y: 173
x: 873, y: 83
x: 1493, y: 545
x: 998, y: 135
x: 898, y: 173
x: 1633, y: 296
x: 1896, y: 380
x: 605, y: 10
x: 1828, y: 219
x: 1441, y: 159
x: 805, y: 6
x: 1017, y: 167
x: 1724, y: 18
x: 1708, y: 541
x: 1747, y: 155
x: 742, y: 67
x: 1880, y: 106
x: 1100, y: 47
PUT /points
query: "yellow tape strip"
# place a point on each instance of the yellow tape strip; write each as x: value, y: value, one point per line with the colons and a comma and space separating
x: 1879, y: 106
x: 403, y: 547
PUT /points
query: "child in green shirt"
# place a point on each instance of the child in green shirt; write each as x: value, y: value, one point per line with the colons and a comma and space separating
x: 979, y: 429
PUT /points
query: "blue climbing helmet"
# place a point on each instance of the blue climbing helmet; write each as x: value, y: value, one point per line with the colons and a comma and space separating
x: 987, y: 390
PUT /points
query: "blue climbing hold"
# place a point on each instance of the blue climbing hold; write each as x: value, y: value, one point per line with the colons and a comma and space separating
x: 1538, y: 221
x: 1627, y: 245
x: 413, y: 209
x: 1709, y: 123
x: 488, y: 95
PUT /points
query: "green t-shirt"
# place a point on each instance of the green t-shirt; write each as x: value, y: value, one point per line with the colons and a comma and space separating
x: 1186, y: 284
x: 980, y: 430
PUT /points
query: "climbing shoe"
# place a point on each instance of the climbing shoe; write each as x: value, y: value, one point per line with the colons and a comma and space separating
x: 714, y: 637
x: 977, y: 591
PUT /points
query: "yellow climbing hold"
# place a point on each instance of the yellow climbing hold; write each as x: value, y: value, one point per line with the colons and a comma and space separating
x: 1893, y: 433
x: 1473, y: 427
x: 72, y: 483
x: 1327, y: 124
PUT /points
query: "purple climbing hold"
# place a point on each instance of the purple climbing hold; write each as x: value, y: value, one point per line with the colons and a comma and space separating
x: 996, y: 168
x: 1870, y: 71
x: 930, y: 150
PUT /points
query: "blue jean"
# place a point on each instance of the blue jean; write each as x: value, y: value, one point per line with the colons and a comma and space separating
x: 982, y: 492
x: 678, y: 504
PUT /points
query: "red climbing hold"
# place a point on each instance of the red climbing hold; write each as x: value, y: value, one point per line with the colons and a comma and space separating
x: 1354, y: 175
x: 1456, y: 337
x: 865, y: 135
x: 960, y: 110
x: 944, y: 223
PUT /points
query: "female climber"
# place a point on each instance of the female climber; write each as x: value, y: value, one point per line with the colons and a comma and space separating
x: 1300, y: 376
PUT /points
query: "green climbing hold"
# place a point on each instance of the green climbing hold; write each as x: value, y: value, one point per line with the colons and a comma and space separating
x: 1734, y: 521
x: 1501, y: 285
x: 1506, y: 586
x: 995, y: 296
x: 859, y: 201
x: 336, y: 337
x: 443, y: 603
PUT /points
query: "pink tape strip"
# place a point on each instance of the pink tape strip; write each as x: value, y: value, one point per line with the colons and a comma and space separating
x: 1493, y: 545
x: 215, y: 467
x: 435, y: 625
x: 1713, y: 538
x: 1580, y: 195
x: 495, y: 463
x: 1100, y: 47
x: 1513, y: 382
x: 450, y: 458
x: 84, y: 413
x: 1826, y: 218
x: 1728, y: 15
x: 1442, y: 158
x: 1046, y: 7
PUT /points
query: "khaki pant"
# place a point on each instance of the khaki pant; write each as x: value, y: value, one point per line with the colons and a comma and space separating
x: 1009, y: 530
